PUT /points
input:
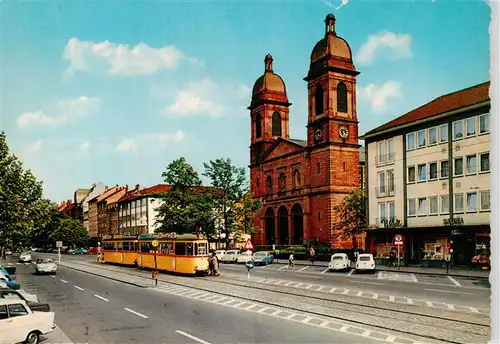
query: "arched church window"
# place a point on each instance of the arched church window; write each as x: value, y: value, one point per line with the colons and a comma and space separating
x: 282, y: 180
x: 258, y: 126
x: 296, y: 178
x: 276, y: 124
x: 341, y: 97
x: 319, y: 100
x: 269, y: 184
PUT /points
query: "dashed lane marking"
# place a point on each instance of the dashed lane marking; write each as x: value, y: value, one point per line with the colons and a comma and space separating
x: 52, y: 276
x: 280, y: 313
x: 327, y: 269
x: 79, y: 288
x: 63, y: 281
x: 136, y: 313
x: 350, y: 272
x: 454, y: 281
x: 190, y: 336
x: 302, y: 269
x: 100, y: 297
x: 376, y: 296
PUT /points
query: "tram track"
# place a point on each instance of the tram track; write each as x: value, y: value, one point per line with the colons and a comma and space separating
x: 404, y: 322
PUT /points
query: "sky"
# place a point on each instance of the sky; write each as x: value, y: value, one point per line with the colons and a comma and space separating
x: 113, y: 92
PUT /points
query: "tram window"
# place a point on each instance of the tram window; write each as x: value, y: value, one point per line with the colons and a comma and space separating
x: 180, y: 249
x: 167, y: 248
x: 120, y: 246
x: 190, y: 250
x: 136, y: 247
x: 146, y: 247
x: 126, y: 246
x: 201, y: 249
x: 108, y: 245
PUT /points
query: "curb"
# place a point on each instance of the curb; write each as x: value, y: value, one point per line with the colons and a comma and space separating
x: 403, y: 271
x: 107, y: 277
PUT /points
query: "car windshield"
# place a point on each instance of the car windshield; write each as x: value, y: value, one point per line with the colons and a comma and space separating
x: 337, y: 258
x: 260, y: 254
x: 25, y: 254
x: 44, y: 261
x: 365, y: 258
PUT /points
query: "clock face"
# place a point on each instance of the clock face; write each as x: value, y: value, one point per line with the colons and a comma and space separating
x: 318, y: 135
x: 344, y: 132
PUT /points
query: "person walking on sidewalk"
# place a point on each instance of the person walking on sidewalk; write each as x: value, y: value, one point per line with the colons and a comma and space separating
x: 312, y: 254
x: 291, y: 261
x: 210, y: 264
x: 215, y: 264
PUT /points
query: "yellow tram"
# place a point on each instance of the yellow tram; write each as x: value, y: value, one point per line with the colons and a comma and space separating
x: 183, y: 253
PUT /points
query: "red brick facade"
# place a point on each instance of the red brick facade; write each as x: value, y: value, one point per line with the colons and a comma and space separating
x: 301, y: 181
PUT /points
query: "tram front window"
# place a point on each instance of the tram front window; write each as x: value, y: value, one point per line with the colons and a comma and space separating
x: 189, y: 250
x: 201, y: 249
x: 180, y: 249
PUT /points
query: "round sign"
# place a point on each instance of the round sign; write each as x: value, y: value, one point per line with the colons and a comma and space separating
x: 154, y: 243
x: 398, y: 237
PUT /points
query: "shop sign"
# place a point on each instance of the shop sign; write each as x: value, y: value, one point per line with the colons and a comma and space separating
x: 456, y: 221
x: 392, y: 223
x: 398, y: 239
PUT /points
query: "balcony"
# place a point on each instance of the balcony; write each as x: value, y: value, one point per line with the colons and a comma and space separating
x: 388, y: 222
x: 385, y: 190
x: 385, y: 159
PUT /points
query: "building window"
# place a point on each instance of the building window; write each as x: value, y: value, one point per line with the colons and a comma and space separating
x: 422, y: 173
x: 433, y: 136
x: 458, y: 130
x: 471, y: 164
x: 411, y: 174
x: 433, y: 170
x: 390, y: 181
x: 421, y: 138
x: 258, y: 126
x: 458, y: 203
x: 269, y: 184
x: 410, y: 141
x: 445, y: 167
x: 458, y: 168
x: 470, y: 126
x: 282, y: 181
x: 485, y: 200
x: 341, y: 97
x: 390, y: 150
x: 445, y: 204
x: 485, y: 162
x: 318, y: 168
x: 472, y: 202
x: 484, y: 123
x: 276, y: 124
x: 319, y: 216
x: 319, y: 100
x: 381, y: 212
x: 296, y: 178
x: 443, y: 133
x: 422, y: 206
x: 381, y: 182
x: 392, y: 210
x: 412, y: 211
x: 433, y: 205
x: 381, y: 152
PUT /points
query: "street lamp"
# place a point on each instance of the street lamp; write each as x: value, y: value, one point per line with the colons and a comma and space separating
x: 154, y: 243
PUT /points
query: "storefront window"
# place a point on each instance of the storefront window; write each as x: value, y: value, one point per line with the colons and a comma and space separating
x: 482, y: 249
x: 435, y: 249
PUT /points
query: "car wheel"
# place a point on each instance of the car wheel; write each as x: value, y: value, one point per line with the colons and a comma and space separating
x: 33, y: 338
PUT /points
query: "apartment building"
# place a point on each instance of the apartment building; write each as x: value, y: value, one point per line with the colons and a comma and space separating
x: 95, y: 190
x: 428, y: 178
x: 93, y: 213
x: 110, y: 197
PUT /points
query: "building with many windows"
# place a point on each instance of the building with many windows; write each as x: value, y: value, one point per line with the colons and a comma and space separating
x: 428, y: 178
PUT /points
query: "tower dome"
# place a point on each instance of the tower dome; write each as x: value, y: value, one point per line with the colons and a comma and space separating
x: 270, y: 81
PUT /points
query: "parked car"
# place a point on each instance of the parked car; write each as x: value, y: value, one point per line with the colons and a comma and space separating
x: 25, y: 257
x: 30, y: 299
x: 365, y: 262
x: 19, y: 323
x: 230, y: 256
x: 8, y: 280
x: 243, y: 257
x: 339, y: 261
x: 8, y: 252
x: 79, y: 250
x: 93, y: 250
x: 220, y: 254
x: 45, y: 266
x: 263, y: 258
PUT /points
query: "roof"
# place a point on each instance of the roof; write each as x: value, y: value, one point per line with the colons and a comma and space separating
x: 154, y: 190
x: 108, y: 193
x: 299, y: 142
x: 130, y: 195
x: 116, y: 196
x: 446, y: 103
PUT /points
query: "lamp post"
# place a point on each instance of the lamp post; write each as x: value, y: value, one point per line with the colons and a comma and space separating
x: 154, y: 243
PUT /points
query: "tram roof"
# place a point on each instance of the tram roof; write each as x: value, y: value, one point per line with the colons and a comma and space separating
x: 173, y: 236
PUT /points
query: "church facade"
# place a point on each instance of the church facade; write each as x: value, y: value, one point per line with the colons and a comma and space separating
x: 301, y: 181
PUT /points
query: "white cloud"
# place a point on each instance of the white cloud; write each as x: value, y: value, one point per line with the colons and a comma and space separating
x: 121, y: 59
x: 394, y: 45
x: 62, y: 111
x: 163, y: 139
x: 380, y: 95
x: 36, y: 146
x: 126, y: 145
x: 244, y: 91
x: 196, y: 100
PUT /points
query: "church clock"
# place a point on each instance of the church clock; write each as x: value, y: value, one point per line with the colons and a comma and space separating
x: 318, y: 135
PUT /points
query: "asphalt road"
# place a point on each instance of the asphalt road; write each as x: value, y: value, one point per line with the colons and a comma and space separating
x: 93, y: 309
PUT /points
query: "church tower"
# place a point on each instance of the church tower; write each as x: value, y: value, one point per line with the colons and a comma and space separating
x: 269, y: 113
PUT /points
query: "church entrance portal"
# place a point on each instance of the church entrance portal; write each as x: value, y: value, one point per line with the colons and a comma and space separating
x: 298, y: 224
x: 283, y: 225
x: 269, y: 218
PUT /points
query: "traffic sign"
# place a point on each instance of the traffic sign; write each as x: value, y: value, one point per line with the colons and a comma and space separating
x: 154, y: 243
x: 398, y: 239
x: 248, y: 246
x: 59, y: 244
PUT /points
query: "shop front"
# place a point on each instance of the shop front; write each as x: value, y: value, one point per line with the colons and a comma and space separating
x: 381, y: 243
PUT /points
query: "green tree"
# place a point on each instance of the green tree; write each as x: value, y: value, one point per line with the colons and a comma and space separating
x: 351, y: 214
x: 71, y: 232
x: 22, y: 208
x: 233, y: 205
x: 186, y: 207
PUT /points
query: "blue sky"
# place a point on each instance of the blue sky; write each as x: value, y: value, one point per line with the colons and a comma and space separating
x: 113, y: 92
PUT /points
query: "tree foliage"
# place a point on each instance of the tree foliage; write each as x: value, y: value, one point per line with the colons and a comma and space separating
x: 22, y: 208
x: 70, y: 231
x: 351, y: 214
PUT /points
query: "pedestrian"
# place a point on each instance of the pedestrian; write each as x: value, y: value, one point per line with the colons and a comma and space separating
x: 215, y: 264
x: 312, y: 255
x: 392, y: 258
x: 291, y: 262
x: 210, y: 264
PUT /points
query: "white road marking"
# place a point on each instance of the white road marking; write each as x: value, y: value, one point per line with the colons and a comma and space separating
x: 449, y: 291
x: 136, y: 313
x: 63, y: 281
x: 302, y: 269
x: 100, y: 297
x: 322, y: 272
x: 346, y: 291
x: 360, y: 293
x: 333, y: 290
x: 391, y: 338
x: 455, y: 282
x: 366, y: 333
x: 474, y: 310
x: 79, y: 288
x: 52, y: 276
x: 344, y: 328
x: 350, y: 272
x: 365, y: 282
x: 392, y: 298
x: 430, y: 304
x: 414, y: 278
x: 196, y: 339
x: 451, y: 307
x: 375, y: 296
x: 283, y: 267
x: 410, y: 301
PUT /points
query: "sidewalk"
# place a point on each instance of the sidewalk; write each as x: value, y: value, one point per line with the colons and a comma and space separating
x: 405, y: 269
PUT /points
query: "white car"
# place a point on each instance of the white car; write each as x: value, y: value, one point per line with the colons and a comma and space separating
x: 231, y: 256
x: 339, y: 261
x: 25, y: 257
x: 220, y: 254
x: 365, y: 262
x: 45, y: 266
x: 244, y: 257
x: 18, y: 323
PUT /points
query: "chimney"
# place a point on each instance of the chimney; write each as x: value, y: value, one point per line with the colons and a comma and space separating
x: 105, y: 189
x: 136, y: 187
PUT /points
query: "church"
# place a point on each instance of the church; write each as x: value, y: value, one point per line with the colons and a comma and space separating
x: 301, y: 181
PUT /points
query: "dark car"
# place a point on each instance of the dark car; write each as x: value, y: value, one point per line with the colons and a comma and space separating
x: 7, y: 293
